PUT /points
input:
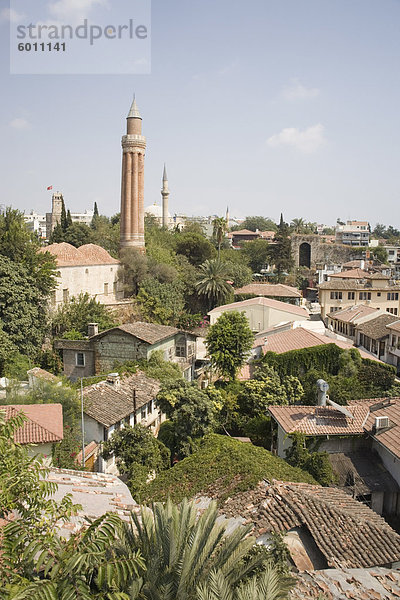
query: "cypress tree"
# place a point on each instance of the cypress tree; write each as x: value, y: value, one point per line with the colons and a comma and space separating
x: 64, y: 223
x: 69, y: 218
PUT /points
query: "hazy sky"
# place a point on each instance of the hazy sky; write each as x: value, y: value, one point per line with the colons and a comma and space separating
x: 268, y: 106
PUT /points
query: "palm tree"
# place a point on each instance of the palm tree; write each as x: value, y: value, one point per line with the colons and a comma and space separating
x: 212, y: 282
x: 219, y: 229
x: 181, y: 551
x: 85, y: 567
x: 269, y: 585
x: 298, y: 225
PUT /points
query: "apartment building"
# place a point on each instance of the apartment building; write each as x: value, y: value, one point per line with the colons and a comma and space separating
x: 347, y: 289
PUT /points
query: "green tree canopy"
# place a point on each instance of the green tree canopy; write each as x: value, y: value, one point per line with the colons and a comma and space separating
x: 257, y: 222
x: 138, y: 454
x: 229, y: 342
x: 258, y: 254
x: 22, y: 308
x: 190, y: 410
x: 78, y: 312
x: 195, y: 247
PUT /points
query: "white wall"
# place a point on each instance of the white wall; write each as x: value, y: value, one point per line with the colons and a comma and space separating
x: 391, y: 462
x: 90, y: 279
x: 260, y: 317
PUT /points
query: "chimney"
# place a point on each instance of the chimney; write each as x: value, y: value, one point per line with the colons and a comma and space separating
x: 93, y: 329
x: 114, y: 380
x: 322, y: 388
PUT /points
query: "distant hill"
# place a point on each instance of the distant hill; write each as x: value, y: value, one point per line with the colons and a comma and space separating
x: 222, y: 467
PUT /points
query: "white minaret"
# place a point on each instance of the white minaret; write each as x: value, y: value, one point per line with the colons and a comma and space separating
x: 165, y: 197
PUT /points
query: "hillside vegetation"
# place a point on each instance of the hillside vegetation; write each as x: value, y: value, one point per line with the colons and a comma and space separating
x: 222, y: 466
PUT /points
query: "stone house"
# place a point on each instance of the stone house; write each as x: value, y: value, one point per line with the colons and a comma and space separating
x: 262, y: 313
x: 372, y: 289
x: 43, y: 427
x: 89, y: 269
x: 112, y: 404
x: 130, y: 342
x: 393, y: 351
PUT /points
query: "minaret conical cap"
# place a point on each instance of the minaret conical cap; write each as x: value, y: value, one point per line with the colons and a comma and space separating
x: 134, y: 111
x: 165, y: 177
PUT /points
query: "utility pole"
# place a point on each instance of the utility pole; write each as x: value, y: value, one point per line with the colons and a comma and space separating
x: 83, y: 426
x: 134, y: 406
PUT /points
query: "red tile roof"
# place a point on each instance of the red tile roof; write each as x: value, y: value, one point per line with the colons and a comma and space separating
x: 298, y: 338
x: 351, y: 274
x: 44, y: 422
x: 267, y: 302
x: 394, y: 326
x: 89, y: 254
x: 348, y: 533
x: 267, y: 289
x: 320, y: 420
x: 352, y: 313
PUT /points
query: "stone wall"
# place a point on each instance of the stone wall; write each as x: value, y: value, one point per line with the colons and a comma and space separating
x: 320, y: 252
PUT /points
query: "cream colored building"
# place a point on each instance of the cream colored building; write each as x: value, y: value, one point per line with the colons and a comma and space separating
x: 88, y: 269
x: 373, y: 289
x: 262, y: 313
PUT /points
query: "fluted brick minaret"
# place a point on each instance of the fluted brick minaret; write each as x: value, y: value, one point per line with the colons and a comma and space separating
x: 132, y: 185
x: 165, y: 196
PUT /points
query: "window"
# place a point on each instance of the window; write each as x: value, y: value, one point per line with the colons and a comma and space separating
x: 365, y: 295
x: 143, y: 413
x: 350, y: 295
x: 392, y: 311
x: 379, y: 294
x: 65, y: 295
x: 180, y: 351
x: 336, y: 295
x: 392, y: 295
x: 79, y: 359
x: 106, y: 289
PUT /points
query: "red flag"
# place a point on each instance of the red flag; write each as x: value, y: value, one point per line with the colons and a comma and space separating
x: 50, y: 187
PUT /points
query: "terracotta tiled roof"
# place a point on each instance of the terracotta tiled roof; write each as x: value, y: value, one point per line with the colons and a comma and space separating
x: 351, y: 274
x: 353, y: 264
x: 377, y: 328
x: 245, y: 232
x: 266, y: 289
x: 394, y: 326
x: 320, y: 420
x: 267, y: 302
x: 377, y: 583
x: 354, y: 284
x: 352, y: 313
x: 109, y: 404
x: 300, y: 337
x: 147, y: 332
x: 44, y: 422
x: 89, y: 254
x: 389, y: 438
x: 347, y: 532
x: 42, y: 374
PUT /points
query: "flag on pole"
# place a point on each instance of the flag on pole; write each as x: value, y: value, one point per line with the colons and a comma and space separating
x: 50, y: 187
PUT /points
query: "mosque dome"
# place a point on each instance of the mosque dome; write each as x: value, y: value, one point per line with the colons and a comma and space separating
x: 155, y: 210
